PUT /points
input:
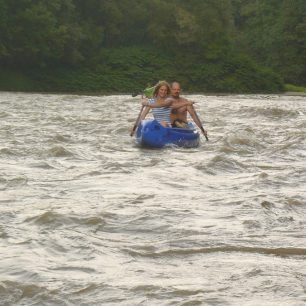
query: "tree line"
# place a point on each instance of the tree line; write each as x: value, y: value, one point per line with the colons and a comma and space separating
x: 117, y: 45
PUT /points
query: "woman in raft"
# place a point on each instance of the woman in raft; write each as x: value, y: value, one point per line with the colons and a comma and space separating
x: 161, y: 104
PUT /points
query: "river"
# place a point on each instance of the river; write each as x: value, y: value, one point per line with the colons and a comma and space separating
x: 89, y: 218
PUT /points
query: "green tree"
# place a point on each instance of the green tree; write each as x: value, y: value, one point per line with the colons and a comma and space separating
x: 39, y: 32
x: 273, y: 32
x: 290, y: 43
x: 3, y: 29
x: 205, y: 43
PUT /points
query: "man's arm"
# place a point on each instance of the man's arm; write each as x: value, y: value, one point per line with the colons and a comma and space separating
x: 181, y: 103
x: 196, y: 119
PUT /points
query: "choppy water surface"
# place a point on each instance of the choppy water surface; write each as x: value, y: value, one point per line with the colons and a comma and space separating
x: 89, y: 218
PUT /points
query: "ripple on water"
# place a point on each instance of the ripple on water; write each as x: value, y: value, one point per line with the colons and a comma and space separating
x: 42, y: 165
x: 59, y: 151
x: 8, y: 152
x: 3, y: 234
x: 24, y: 293
x: 272, y: 112
x: 222, y: 163
x: 89, y: 218
x: 4, y: 115
x: 193, y: 251
x: 241, y: 143
x: 12, y: 292
x: 15, y: 182
x: 55, y: 220
x: 296, y: 202
x: 60, y: 138
x: 252, y: 224
x: 267, y: 205
x: 117, y: 167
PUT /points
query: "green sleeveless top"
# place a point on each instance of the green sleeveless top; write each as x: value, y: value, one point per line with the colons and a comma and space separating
x: 148, y: 92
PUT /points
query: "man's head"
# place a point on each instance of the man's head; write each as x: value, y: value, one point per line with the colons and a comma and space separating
x: 175, y: 89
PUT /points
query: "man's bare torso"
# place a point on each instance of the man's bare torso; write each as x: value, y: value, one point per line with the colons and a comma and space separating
x: 179, y: 113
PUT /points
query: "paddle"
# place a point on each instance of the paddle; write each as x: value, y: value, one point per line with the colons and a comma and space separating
x: 201, y: 127
x: 137, y: 122
x: 135, y: 94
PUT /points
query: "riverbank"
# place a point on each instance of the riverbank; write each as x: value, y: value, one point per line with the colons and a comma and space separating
x: 293, y: 89
x: 130, y: 69
x: 118, y: 82
x: 86, y: 82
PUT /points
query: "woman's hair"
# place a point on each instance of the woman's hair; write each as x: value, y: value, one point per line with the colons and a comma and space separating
x: 159, y: 85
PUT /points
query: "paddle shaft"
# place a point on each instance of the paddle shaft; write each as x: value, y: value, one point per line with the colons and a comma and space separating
x: 137, y: 122
x: 201, y: 127
x: 135, y: 94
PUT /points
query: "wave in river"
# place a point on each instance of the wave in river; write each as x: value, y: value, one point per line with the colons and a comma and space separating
x: 90, y: 218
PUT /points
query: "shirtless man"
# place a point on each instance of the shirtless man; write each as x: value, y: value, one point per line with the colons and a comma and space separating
x: 178, y: 116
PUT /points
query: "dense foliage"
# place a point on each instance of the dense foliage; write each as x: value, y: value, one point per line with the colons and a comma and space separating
x: 120, y: 45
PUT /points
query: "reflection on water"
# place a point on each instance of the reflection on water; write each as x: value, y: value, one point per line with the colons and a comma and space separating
x: 89, y: 218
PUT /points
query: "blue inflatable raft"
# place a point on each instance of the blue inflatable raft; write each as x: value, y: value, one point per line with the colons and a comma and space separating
x: 151, y: 134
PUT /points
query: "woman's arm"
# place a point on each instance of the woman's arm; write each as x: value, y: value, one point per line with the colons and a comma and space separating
x: 144, y: 113
x: 165, y: 103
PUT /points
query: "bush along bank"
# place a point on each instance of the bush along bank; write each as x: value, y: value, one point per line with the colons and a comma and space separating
x: 294, y: 88
x: 124, y: 70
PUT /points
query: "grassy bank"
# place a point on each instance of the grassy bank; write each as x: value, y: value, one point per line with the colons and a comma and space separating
x: 294, y: 88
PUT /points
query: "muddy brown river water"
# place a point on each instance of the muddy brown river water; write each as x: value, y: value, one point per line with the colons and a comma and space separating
x: 89, y: 218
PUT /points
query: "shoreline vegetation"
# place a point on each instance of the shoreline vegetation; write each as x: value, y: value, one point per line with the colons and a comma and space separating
x: 16, y: 81
x: 289, y: 88
x: 228, y: 46
x: 129, y: 69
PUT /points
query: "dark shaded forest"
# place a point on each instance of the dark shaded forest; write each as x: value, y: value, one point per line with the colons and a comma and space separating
x: 120, y: 45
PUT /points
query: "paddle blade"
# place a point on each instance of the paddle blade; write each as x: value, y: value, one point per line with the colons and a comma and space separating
x: 133, y: 130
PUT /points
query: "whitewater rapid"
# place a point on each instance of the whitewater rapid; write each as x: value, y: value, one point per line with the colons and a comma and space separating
x: 89, y: 218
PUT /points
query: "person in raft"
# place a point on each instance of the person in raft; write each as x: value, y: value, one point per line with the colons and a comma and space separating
x: 180, y: 108
x: 148, y: 91
x: 162, y: 104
